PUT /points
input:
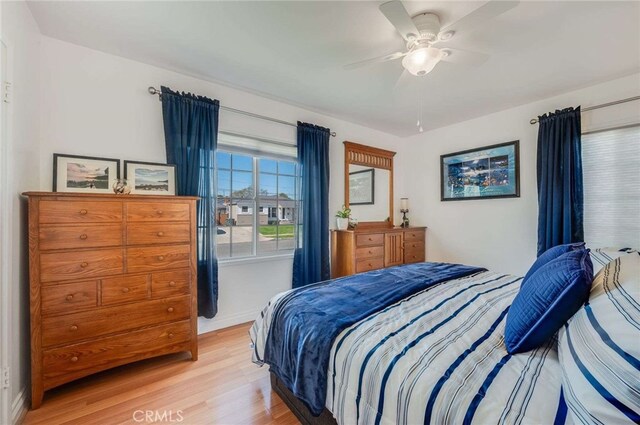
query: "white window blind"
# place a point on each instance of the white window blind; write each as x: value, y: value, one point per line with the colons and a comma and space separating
x: 611, y: 170
x: 256, y: 146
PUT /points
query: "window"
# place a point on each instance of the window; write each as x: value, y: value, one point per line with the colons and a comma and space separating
x: 256, y: 207
x: 610, y: 161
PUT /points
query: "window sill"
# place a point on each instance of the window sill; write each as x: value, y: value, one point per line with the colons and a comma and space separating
x: 230, y: 262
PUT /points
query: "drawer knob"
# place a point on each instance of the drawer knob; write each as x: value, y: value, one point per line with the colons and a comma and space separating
x: 69, y: 297
x: 160, y: 257
x: 83, y: 211
x: 371, y: 239
x: 370, y: 252
x: 170, y: 309
x: 73, y: 328
x: 160, y: 212
x: 172, y: 283
x: 83, y: 236
x: 170, y: 335
x: 74, y: 359
x: 160, y: 233
x: 84, y: 264
x: 125, y: 290
x: 370, y: 265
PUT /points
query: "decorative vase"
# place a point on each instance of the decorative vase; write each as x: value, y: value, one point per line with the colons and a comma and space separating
x: 121, y: 187
x: 342, y: 223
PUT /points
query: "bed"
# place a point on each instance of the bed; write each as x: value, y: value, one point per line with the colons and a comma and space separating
x: 436, y: 355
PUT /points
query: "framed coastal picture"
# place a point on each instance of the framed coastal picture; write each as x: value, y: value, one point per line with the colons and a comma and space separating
x: 150, y: 178
x: 483, y: 173
x: 362, y: 187
x: 85, y: 174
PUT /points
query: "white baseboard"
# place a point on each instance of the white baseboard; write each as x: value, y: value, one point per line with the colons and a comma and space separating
x: 209, y: 325
x: 19, y: 407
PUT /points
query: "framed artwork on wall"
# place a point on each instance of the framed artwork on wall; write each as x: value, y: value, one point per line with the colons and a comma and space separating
x: 150, y: 178
x: 84, y: 174
x: 488, y: 172
x: 362, y: 187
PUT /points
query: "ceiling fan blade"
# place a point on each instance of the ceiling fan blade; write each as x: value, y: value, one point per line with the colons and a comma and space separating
x: 399, y: 18
x: 403, y: 79
x: 464, y: 57
x: 484, y: 13
x: 385, y: 58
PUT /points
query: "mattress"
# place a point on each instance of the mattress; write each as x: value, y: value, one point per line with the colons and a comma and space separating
x: 437, y: 356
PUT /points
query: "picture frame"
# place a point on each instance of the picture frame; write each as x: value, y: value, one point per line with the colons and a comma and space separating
x: 488, y: 172
x: 84, y: 174
x: 362, y: 187
x: 150, y: 178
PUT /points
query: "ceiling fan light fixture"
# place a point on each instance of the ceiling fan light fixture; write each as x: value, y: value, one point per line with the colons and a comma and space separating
x: 422, y: 60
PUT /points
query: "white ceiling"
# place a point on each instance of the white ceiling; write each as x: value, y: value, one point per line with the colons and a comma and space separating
x: 294, y: 51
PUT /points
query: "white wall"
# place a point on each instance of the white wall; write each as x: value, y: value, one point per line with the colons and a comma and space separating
x: 97, y: 104
x: 498, y: 234
x: 20, y: 164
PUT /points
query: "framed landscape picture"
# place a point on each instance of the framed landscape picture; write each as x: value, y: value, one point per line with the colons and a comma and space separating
x: 484, y: 173
x: 85, y: 174
x: 362, y: 187
x: 149, y: 178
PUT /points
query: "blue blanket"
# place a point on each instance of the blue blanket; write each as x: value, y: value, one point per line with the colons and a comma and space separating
x: 307, y: 320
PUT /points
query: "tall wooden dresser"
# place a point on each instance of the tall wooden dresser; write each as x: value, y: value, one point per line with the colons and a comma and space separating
x: 112, y: 281
x: 371, y: 248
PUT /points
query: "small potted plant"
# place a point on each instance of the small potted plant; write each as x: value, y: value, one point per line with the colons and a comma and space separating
x: 342, y: 218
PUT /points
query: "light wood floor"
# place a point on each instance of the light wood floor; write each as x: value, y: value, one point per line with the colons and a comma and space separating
x: 222, y: 387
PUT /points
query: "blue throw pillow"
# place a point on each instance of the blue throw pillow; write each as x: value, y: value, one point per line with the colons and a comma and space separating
x: 551, y: 296
x: 551, y: 254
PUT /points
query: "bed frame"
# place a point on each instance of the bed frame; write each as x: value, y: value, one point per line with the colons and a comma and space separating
x: 298, y: 408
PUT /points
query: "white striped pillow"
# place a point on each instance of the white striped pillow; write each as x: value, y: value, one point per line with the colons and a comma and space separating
x: 599, y: 349
x: 600, y: 257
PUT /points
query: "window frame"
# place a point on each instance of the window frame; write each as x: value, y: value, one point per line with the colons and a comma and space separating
x: 255, y: 255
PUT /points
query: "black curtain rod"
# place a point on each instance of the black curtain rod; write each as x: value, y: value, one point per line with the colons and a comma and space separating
x: 604, y: 105
x: 153, y: 90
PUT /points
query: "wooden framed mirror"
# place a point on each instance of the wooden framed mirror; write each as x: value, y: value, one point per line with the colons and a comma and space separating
x: 368, y: 184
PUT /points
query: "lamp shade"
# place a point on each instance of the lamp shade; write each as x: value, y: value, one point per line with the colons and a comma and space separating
x: 404, y: 203
x: 422, y: 60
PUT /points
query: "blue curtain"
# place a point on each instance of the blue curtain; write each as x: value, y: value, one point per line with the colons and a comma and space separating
x: 560, y: 194
x: 311, y: 258
x: 191, y: 138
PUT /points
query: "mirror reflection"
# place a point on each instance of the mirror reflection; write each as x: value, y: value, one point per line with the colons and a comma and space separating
x: 368, y: 193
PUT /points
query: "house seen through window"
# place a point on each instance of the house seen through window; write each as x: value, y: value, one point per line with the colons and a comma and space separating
x: 256, y: 209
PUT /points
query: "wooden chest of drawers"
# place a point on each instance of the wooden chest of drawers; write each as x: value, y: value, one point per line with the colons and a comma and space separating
x: 112, y: 281
x: 375, y: 248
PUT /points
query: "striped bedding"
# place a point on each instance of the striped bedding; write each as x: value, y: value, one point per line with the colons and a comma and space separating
x: 599, y: 348
x: 438, y: 357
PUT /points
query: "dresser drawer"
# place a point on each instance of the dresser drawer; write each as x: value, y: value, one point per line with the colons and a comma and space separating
x: 414, y: 245
x: 368, y: 240
x: 93, y: 211
x: 414, y: 255
x: 414, y: 235
x: 170, y: 283
x: 69, y: 297
x: 122, y: 289
x: 58, y: 266
x: 57, y: 330
x: 74, y: 361
x: 155, y: 233
x: 369, y: 252
x: 70, y: 237
x: 370, y: 264
x: 158, y: 258
x: 158, y: 211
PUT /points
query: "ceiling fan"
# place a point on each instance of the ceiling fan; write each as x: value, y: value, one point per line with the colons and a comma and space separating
x: 423, y: 31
